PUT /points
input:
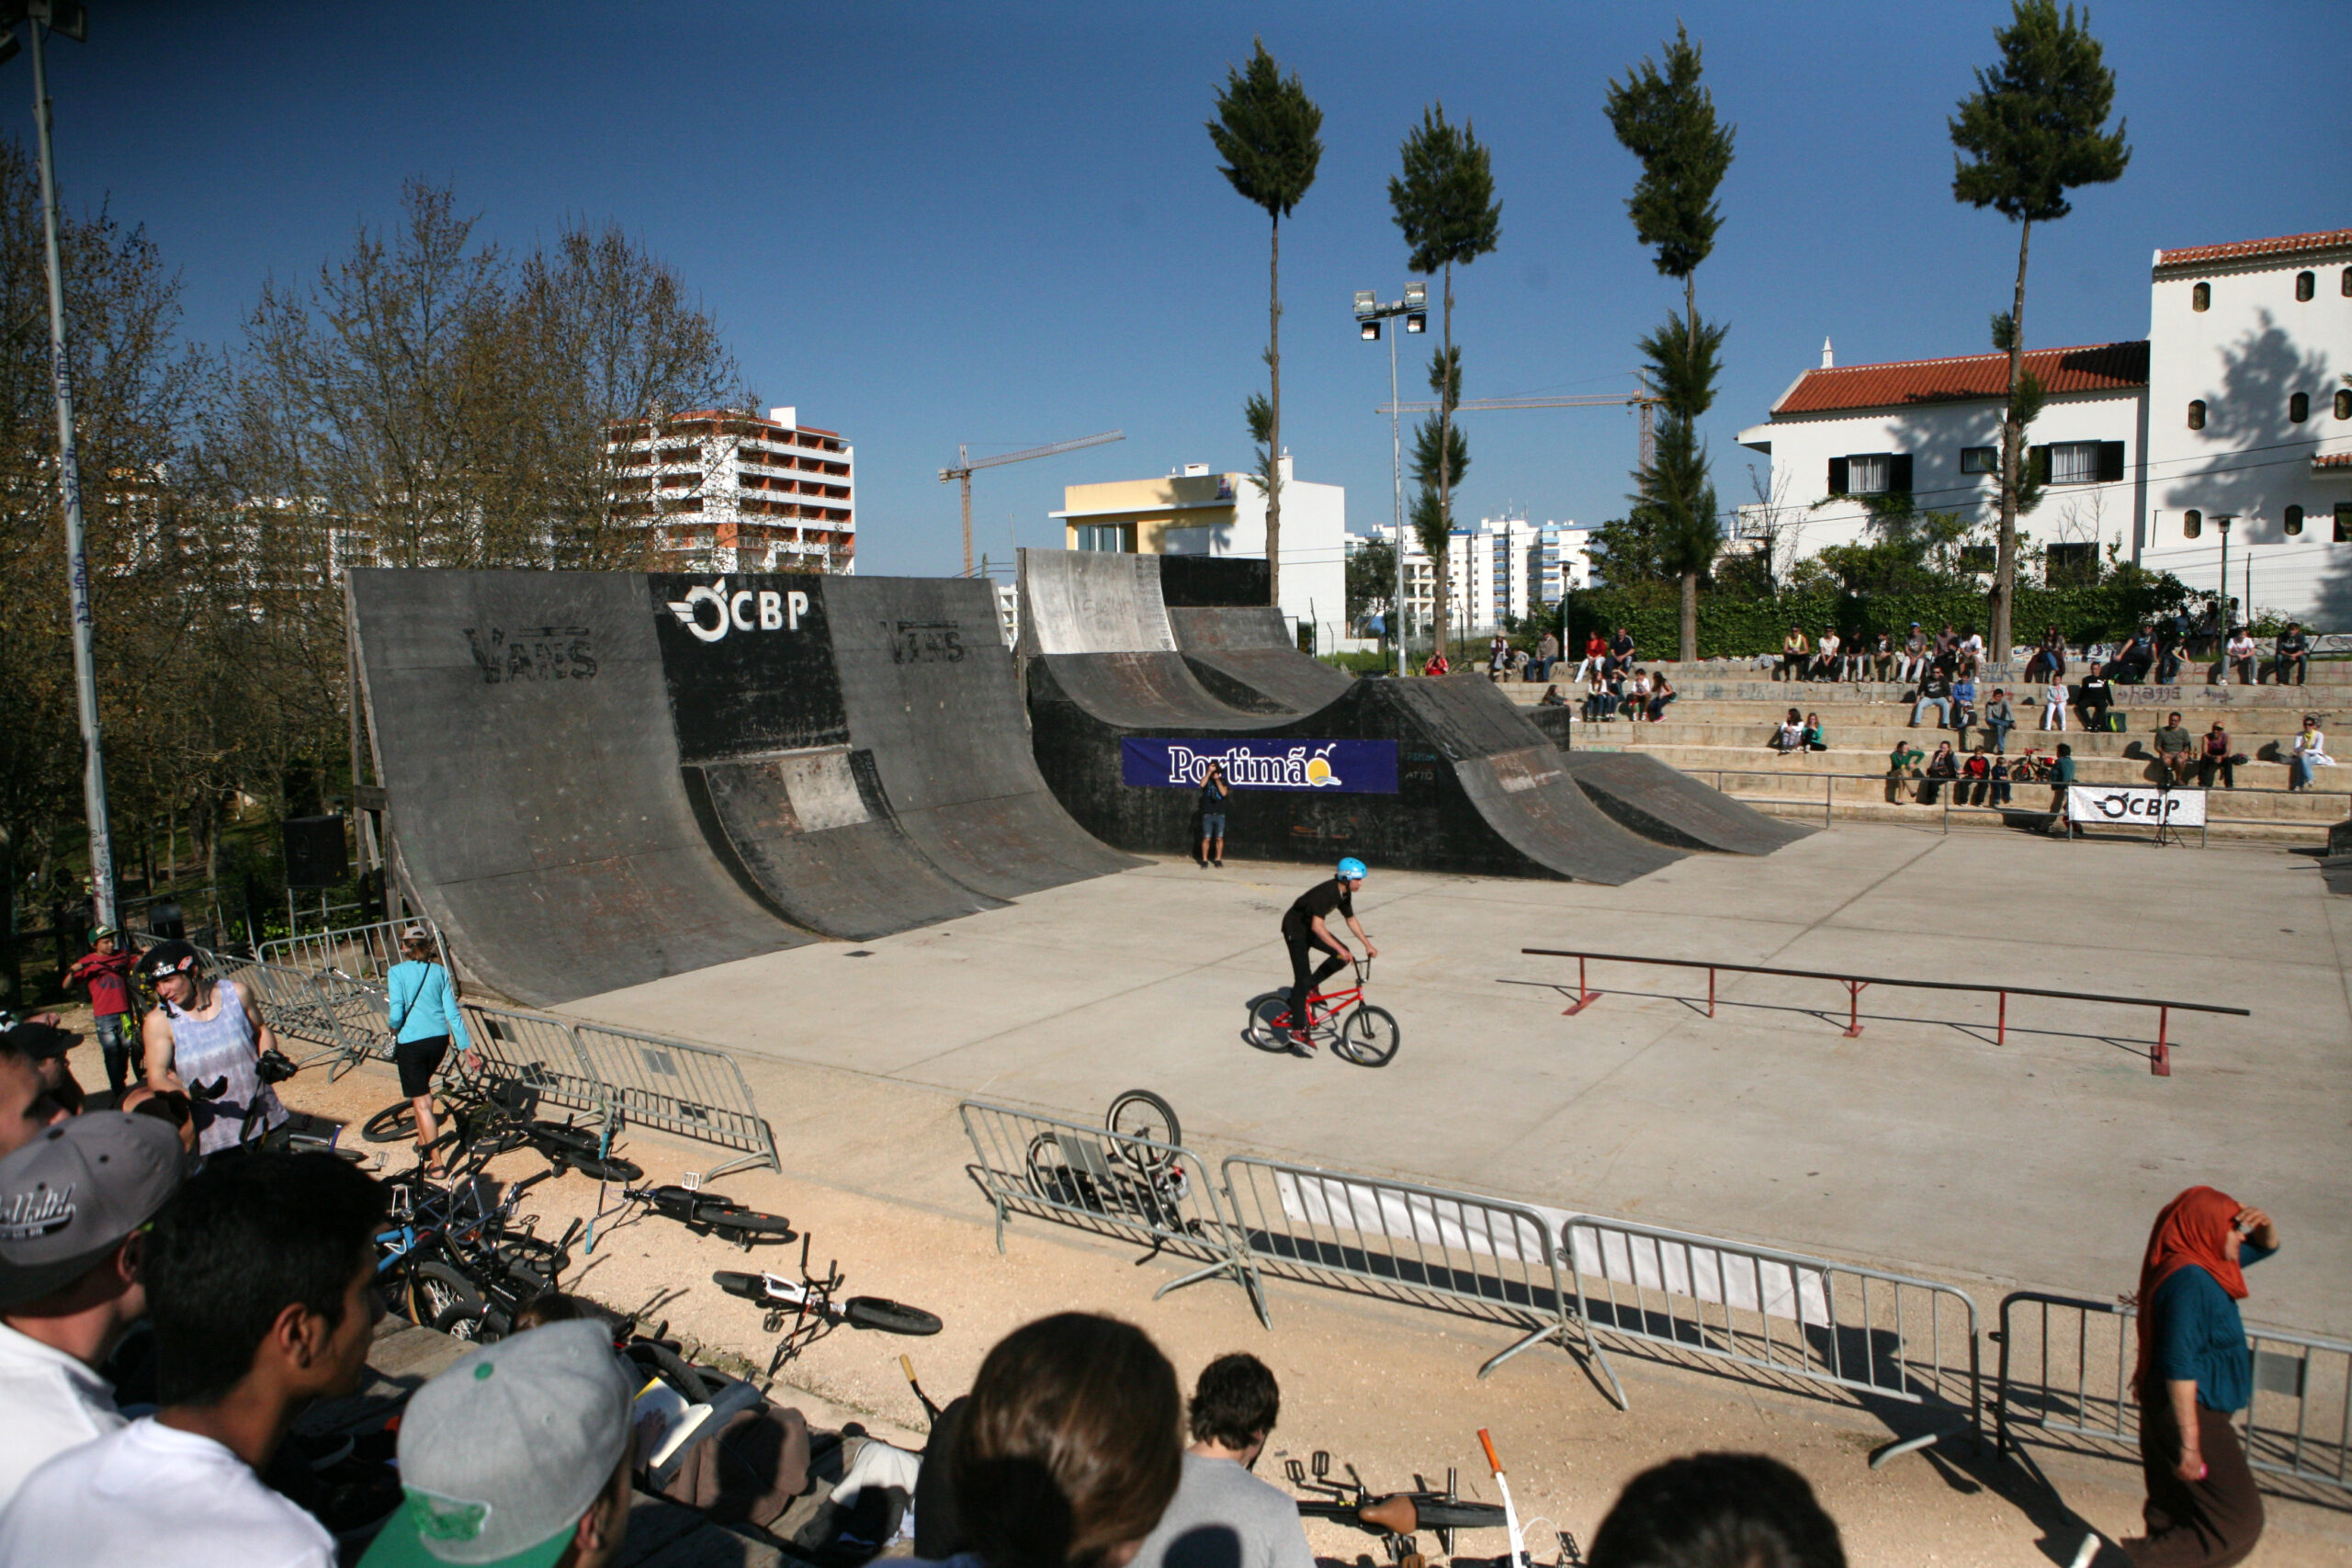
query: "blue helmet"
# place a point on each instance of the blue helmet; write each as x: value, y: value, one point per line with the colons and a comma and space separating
x: 1353, y: 870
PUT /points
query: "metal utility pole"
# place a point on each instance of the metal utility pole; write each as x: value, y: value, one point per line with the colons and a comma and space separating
x: 1370, y: 312
x: 67, y: 16
x: 965, y: 464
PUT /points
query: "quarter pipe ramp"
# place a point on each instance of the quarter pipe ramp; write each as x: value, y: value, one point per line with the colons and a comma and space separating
x: 1664, y: 802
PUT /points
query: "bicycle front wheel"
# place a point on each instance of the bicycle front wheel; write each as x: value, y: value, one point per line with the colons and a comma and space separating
x: 891, y: 1317
x: 747, y: 1226
x: 1139, y: 1114
x: 1369, y: 1038
x: 612, y: 1167
x: 391, y: 1125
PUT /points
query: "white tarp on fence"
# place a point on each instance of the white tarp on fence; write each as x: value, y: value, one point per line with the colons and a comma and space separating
x: 1725, y: 1277
x: 1376, y: 1209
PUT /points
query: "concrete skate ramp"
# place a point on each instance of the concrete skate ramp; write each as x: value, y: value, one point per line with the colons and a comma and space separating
x: 1662, y: 801
x: 1091, y: 601
x: 536, y: 797
x: 812, y: 833
x: 1245, y: 658
x: 1467, y: 798
x: 928, y: 689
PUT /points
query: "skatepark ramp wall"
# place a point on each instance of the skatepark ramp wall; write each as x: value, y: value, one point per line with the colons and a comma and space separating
x: 598, y: 779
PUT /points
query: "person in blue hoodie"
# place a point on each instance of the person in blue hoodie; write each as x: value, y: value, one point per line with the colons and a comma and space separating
x: 423, y: 1010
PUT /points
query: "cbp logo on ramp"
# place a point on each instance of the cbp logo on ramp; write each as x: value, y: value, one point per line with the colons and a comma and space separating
x: 712, y: 611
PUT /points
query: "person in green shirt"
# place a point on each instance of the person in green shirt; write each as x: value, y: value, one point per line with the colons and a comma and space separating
x: 2061, y: 774
x: 2174, y: 752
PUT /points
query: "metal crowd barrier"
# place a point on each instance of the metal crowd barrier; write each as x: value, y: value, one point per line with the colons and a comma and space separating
x: 536, y: 1050
x: 2159, y: 1056
x: 365, y: 953
x: 690, y: 1090
x: 1884, y: 1334
x: 1110, y: 1183
x: 1424, y: 1246
x: 2066, y: 1372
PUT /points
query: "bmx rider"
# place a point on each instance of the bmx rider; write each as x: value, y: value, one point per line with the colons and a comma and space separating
x: 1305, y: 934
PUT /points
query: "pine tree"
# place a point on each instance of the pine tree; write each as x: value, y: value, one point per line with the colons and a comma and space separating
x: 2033, y: 127
x: 1665, y: 118
x: 1268, y: 134
x: 1445, y: 204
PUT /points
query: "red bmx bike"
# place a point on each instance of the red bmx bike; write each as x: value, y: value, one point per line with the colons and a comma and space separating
x: 1355, y: 1030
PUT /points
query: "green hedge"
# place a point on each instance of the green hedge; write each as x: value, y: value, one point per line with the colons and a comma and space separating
x: 1732, y: 628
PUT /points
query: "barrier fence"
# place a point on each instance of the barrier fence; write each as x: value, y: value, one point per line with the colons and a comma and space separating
x: 1110, y: 1183
x: 339, y: 1019
x: 2065, y: 1373
x: 364, y: 952
x: 679, y: 1086
x: 1424, y: 1246
x: 2159, y: 1055
x: 1783, y: 1313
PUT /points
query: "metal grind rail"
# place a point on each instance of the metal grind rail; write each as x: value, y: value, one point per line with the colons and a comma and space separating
x: 2066, y: 1372
x: 2159, y: 1056
x: 1889, y: 1336
x: 1110, y: 1183
x: 1422, y: 1246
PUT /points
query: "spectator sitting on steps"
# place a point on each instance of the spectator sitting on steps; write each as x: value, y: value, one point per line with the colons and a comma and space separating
x: 2093, y: 698
x: 1880, y: 658
x: 1825, y: 663
x: 1915, y: 655
x: 1552, y: 698
x: 1661, y: 693
x: 2053, y: 706
x: 1942, y: 765
x: 2291, y: 652
x: 1903, y: 762
x: 2175, y: 752
x: 2240, y: 656
x: 1814, y: 737
x: 2311, y: 751
x: 1793, y: 648
x: 2217, y: 758
x: 1935, y: 692
x: 1964, y: 704
x: 1599, y: 701
x: 2137, y: 656
x: 2000, y: 795
x: 1790, y: 736
x: 1999, y: 719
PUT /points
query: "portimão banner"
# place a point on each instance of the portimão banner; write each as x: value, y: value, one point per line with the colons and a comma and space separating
x: 1347, y: 767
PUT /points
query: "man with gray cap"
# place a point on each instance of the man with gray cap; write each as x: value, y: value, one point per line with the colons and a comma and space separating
x: 74, y: 1210
x: 517, y: 1457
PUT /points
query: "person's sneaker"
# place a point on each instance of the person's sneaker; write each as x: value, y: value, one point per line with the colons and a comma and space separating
x: 1301, y: 1043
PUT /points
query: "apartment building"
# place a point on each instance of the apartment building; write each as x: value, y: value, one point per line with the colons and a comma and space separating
x: 1503, y: 569
x: 723, y: 489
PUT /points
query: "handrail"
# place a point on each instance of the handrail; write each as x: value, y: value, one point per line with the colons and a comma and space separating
x: 2159, y: 1058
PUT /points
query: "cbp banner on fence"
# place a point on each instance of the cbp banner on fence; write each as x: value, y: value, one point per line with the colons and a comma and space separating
x: 1348, y: 767
x: 2129, y: 806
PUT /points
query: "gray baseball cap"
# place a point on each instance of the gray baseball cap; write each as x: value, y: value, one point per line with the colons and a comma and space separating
x: 69, y: 1197
x: 504, y: 1453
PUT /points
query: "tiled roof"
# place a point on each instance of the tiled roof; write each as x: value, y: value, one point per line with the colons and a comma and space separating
x: 2332, y: 460
x: 2095, y: 368
x: 2237, y: 250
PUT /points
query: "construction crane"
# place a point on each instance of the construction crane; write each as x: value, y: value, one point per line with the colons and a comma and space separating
x: 1644, y: 401
x: 965, y: 464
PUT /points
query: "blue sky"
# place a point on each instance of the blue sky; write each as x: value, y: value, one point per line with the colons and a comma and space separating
x: 1005, y: 224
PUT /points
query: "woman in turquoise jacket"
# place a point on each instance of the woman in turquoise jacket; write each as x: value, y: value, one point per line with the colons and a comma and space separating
x: 424, y: 1014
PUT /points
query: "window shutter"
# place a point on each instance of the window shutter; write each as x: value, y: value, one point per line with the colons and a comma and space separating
x: 1836, y: 475
x: 2037, y: 465
x: 2110, y: 460
x: 1899, y: 473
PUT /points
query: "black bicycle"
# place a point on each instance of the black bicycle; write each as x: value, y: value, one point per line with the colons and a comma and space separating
x: 804, y: 1310
x: 712, y: 1213
x: 1136, y: 1173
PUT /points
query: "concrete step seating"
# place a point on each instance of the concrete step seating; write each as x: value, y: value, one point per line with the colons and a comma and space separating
x: 1720, y: 723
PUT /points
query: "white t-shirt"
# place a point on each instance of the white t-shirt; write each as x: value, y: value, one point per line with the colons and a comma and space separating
x: 49, y: 1402
x: 162, y: 1498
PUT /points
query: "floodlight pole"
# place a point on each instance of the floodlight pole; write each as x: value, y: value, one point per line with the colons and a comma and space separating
x: 69, y: 485
x: 1413, y: 309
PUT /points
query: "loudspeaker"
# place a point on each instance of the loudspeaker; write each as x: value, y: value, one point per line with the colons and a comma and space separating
x: 314, y: 852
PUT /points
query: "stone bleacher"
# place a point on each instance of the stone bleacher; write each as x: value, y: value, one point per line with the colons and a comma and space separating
x: 1726, y: 712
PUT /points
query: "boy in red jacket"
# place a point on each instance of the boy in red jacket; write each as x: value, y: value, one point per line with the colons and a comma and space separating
x: 107, y: 973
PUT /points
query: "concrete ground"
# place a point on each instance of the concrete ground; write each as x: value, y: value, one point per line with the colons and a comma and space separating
x: 1922, y: 1146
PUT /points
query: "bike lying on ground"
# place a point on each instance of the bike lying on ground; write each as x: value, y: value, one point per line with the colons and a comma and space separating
x: 1355, y: 1030
x: 1136, y: 1173
x: 495, y: 1109
x: 707, y: 1213
x: 1395, y: 1515
x: 803, y: 1310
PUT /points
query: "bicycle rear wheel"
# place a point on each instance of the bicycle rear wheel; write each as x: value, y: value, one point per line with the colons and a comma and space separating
x: 1369, y: 1038
x: 1055, y: 1179
x: 1139, y: 1114
x: 1268, y: 1027
x: 438, y: 1289
x: 612, y: 1167
x: 476, y: 1322
x: 391, y: 1125
x: 891, y: 1317
x: 743, y: 1226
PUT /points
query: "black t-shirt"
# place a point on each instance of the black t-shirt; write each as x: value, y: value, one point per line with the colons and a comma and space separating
x: 1212, y: 798
x: 1320, y: 900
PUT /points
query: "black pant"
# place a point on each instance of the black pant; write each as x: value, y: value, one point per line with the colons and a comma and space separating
x: 2206, y: 767
x: 2094, y: 714
x: 2300, y: 663
x: 1305, y: 975
x: 2194, y: 1524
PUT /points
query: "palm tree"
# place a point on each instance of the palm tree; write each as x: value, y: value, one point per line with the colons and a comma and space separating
x: 1445, y: 204
x: 1268, y: 131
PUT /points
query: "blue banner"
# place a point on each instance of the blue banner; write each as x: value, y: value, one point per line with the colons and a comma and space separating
x: 1349, y: 767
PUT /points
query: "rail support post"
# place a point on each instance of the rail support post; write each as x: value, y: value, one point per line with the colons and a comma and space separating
x: 1854, y: 1007
x: 2001, y: 1033
x: 1711, y: 991
x: 2160, y: 1059
x: 1585, y: 996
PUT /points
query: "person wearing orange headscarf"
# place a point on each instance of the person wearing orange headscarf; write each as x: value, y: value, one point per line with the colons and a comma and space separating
x: 2194, y: 1373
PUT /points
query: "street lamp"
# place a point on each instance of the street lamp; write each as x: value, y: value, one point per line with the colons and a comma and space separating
x: 68, y: 18
x: 2222, y: 521
x: 1370, y: 312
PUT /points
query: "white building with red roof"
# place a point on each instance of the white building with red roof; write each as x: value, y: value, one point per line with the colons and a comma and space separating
x: 2238, y: 403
